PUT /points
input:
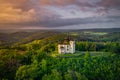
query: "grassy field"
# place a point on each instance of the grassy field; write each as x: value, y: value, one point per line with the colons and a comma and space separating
x: 96, y: 33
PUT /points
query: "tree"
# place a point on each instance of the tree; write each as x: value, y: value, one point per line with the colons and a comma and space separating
x: 115, y: 48
x: 29, y: 72
x: 80, y: 77
x: 48, y: 48
x: 44, y: 65
x: 55, y: 75
x: 68, y: 75
x: 87, y: 47
x: 87, y: 55
x: 71, y: 75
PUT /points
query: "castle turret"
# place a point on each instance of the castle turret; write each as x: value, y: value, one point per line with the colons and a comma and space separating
x: 72, y: 45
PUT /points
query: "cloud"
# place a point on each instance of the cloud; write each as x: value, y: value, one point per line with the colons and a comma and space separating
x: 57, y: 13
x: 11, y: 15
x: 76, y: 21
x: 56, y: 2
x: 109, y: 3
x: 15, y: 12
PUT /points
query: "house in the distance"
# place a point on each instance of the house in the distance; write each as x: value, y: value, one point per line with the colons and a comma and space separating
x: 67, y: 46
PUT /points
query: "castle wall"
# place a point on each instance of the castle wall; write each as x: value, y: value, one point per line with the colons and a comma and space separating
x: 64, y: 48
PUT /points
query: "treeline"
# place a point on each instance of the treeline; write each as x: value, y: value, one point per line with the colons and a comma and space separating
x: 49, y: 45
x: 113, y: 47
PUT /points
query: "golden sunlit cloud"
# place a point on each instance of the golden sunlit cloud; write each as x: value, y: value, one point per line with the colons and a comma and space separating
x: 11, y: 15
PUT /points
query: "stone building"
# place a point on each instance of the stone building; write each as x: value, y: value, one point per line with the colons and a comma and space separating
x: 67, y: 46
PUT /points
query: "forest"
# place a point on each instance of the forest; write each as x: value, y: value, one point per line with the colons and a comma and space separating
x: 34, y: 56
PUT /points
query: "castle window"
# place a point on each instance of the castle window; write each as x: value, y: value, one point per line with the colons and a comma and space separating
x: 67, y: 46
x: 67, y: 49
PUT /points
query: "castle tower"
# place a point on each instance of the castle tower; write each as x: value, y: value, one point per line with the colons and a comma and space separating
x: 72, y: 45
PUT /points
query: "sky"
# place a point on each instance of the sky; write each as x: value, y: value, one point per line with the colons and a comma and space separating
x: 59, y: 14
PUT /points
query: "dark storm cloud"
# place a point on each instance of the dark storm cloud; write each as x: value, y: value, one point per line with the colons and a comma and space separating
x: 69, y: 22
x: 109, y: 3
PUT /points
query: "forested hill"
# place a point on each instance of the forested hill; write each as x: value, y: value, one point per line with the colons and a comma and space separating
x: 22, y: 37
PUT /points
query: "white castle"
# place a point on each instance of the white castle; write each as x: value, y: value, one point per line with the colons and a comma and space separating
x: 68, y: 46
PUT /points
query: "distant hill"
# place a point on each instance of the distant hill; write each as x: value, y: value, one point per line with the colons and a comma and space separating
x: 99, y: 30
x: 60, y: 30
x: 22, y: 37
